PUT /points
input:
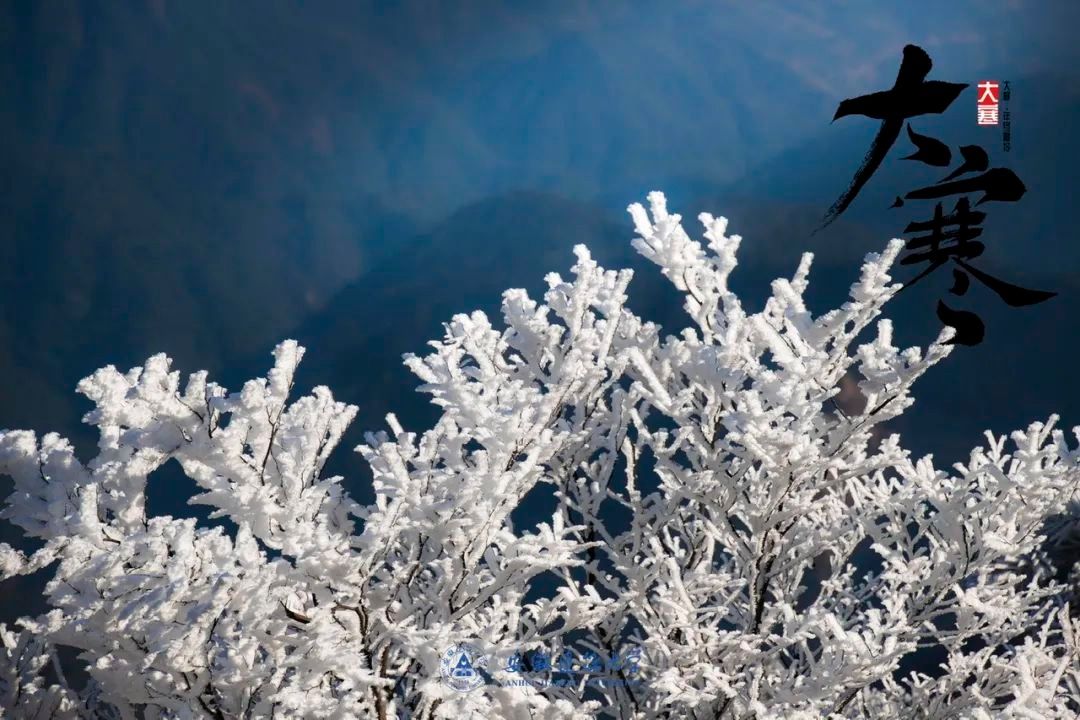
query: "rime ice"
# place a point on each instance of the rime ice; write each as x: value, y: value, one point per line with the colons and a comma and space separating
x: 735, y: 572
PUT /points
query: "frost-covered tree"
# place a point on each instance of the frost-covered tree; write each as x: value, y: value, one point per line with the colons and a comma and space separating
x: 714, y: 508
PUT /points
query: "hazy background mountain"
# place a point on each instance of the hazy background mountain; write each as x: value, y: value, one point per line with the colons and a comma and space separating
x: 201, y: 177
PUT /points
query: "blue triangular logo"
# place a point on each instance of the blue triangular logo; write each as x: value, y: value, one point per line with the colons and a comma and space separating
x: 463, y: 668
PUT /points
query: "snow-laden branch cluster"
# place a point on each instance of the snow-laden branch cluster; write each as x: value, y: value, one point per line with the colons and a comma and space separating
x: 772, y: 553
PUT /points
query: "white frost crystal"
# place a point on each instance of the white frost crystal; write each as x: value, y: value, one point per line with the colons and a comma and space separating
x: 711, y: 501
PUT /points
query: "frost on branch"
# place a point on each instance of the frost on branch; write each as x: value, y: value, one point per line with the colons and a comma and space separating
x: 716, y: 507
